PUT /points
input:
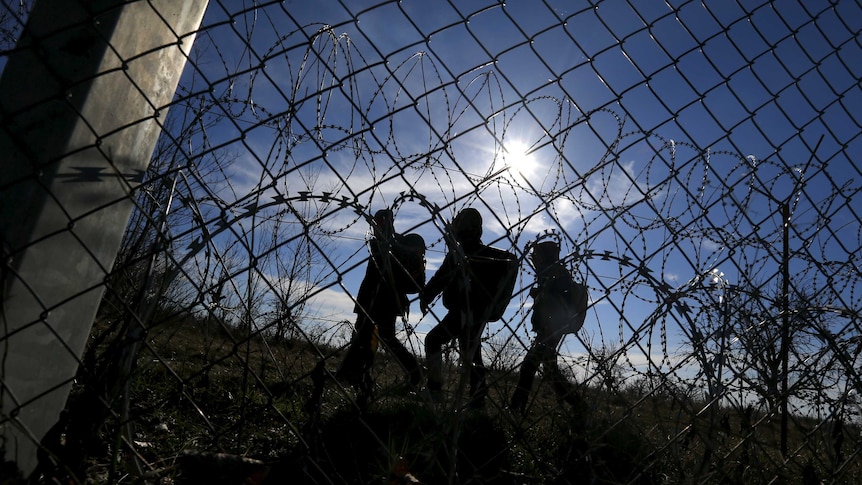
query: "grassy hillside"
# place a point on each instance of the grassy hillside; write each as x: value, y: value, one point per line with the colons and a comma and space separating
x: 209, y: 404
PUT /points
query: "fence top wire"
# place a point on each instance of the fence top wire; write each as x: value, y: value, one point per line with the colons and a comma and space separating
x: 668, y: 135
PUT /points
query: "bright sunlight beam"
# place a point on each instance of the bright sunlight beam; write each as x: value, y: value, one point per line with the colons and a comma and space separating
x: 518, y: 159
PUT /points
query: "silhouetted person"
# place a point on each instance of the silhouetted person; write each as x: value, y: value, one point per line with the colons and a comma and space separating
x: 552, y: 318
x: 381, y: 299
x: 476, y: 282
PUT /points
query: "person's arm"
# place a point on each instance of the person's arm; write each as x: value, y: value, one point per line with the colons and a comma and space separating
x: 436, y: 284
x: 379, y: 250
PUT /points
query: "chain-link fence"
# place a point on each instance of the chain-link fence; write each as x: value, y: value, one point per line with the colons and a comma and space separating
x: 696, y: 162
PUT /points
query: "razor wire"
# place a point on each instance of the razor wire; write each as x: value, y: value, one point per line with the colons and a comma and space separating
x: 698, y: 160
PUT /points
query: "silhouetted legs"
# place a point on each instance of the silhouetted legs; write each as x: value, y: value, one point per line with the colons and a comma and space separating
x: 457, y: 325
x: 543, y: 352
x: 386, y: 333
x: 355, y: 369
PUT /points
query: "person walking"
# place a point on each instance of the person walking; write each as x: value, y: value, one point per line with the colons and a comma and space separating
x: 559, y: 308
x: 476, y: 283
x: 392, y: 271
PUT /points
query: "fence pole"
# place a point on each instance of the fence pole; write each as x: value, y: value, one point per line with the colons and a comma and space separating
x: 81, y: 100
x: 785, y: 321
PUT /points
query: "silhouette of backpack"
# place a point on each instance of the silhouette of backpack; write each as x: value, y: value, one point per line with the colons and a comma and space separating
x: 408, y: 262
x: 494, y: 272
x: 563, y: 311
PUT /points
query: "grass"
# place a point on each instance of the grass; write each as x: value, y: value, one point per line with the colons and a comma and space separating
x: 210, y: 405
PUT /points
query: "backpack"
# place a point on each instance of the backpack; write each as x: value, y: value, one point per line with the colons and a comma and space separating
x: 494, y: 273
x: 408, y: 262
x: 563, y: 311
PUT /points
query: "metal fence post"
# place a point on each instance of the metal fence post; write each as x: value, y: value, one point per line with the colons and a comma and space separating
x: 81, y: 99
x: 785, y: 320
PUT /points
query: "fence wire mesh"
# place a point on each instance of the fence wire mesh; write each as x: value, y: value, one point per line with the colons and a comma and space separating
x: 697, y: 160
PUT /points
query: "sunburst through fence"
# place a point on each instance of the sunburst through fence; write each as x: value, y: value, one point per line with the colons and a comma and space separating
x: 191, y: 197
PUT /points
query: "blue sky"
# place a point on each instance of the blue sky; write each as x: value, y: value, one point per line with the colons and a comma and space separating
x: 660, y: 138
x: 663, y: 133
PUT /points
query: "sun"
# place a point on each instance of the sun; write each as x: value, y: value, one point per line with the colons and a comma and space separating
x: 518, y: 158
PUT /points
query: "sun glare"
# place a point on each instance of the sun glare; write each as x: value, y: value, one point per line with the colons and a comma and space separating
x: 518, y: 158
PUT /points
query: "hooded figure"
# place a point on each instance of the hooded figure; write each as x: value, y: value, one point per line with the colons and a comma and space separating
x: 553, y: 284
x: 467, y: 300
x: 381, y: 299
